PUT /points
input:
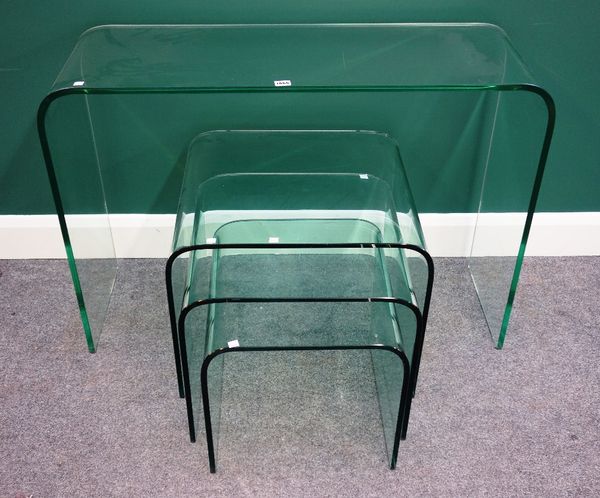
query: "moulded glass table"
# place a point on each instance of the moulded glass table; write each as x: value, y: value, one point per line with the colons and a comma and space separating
x: 473, y: 126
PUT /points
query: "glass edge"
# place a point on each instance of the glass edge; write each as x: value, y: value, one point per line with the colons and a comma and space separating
x: 454, y: 24
x: 62, y: 90
x: 60, y: 212
x: 551, y: 109
x: 41, y: 128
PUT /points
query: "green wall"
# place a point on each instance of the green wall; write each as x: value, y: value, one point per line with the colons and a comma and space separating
x: 561, y: 42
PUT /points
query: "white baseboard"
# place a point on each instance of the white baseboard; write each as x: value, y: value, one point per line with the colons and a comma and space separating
x: 149, y: 236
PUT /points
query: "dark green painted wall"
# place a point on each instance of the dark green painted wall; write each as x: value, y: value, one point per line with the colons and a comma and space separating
x: 560, y: 40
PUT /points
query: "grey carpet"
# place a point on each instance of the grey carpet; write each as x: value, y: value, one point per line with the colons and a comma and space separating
x: 522, y: 421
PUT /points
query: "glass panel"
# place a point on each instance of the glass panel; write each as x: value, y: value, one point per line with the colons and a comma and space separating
x: 389, y: 375
x: 195, y: 329
x: 233, y: 56
x: 507, y: 182
x: 81, y: 206
x: 194, y: 338
x: 214, y: 383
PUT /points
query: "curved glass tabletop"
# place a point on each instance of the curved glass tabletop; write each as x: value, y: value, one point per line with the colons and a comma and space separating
x: 138, y: 57
x: 468, y: 117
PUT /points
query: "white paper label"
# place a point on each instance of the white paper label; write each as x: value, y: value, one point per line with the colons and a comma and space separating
x: 78, y: 83
x: 273, y: 240
x: 234, y: 344
x: 282, y: 82
x: 211, y: 240
x: 364, y: 177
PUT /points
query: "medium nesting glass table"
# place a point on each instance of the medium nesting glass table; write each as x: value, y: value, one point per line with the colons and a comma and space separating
x: 137, y: 105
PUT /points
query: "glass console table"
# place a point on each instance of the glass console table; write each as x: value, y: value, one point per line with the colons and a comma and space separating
x: 472, y: 125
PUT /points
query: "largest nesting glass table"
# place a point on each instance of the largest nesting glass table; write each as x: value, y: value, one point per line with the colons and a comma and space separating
x: 472, y: 125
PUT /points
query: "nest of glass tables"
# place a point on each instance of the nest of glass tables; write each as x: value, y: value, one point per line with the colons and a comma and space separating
x: 297, y: 240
